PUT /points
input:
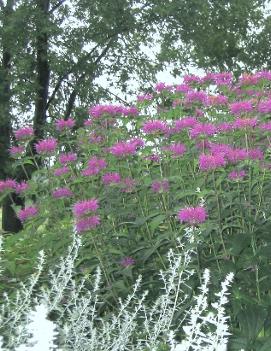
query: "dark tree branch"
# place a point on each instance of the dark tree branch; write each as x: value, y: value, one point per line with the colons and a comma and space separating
x: 72, y: 98
x: 56, y: 6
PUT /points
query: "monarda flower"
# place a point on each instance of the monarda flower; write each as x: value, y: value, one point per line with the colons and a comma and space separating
x: 239, y: 107
x: 192, y: 215
x: 21, y: 187
x: 265, y: 126
x: 8, y: 184
x: 255, y: 154
x: 61, y: 193
x: 160, y: 186
x: 95, y: 165
x: 145, y: 97
x: 67, y: 158
x: 127, y: 261
x: 63, y: 124
x: 16, y: 150
x: 87, y: 223
x: 128, y: 185
x: 203, y: 129
x: 61, y: 171
x: 217, y: 100
x: 47, y: 146
x: 237, y: 175
x: 236, y: 155
x: 186, y: 122
x: 265, y: 106
x: 85, y: 207
x: 211, y: 162
x: 182, y: 88
x: 196, y: 96
x: 176, y: 149
x: 159, y: 87
x: 155, y: 126
x: 24, y: 133
x: 122, y: 149
x: 111, y: 178
x: 27, y: 212
x: 243, y: 123
x: 224, y: 127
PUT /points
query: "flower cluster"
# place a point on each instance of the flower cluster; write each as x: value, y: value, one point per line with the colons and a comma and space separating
x: 84, y: 218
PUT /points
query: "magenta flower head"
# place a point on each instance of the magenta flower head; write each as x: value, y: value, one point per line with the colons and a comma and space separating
x: 21, y: 187
x: 8, y: 184
x: 26, y: 213
x: 211, y: 162
x: 87, y: 223
x: 127, y: 261
x: 192, y: 215
x: 177, y: 149
x: 16, y: 150
x: 239, y: 107
x: 155, y: 126
x: 85, y: 207
x: 111, y: 178
x: 63, y: 124
x: 143, y: 98
x: 203, y: 129
x: 47, y: 146
x: 160, y: 186
x: 61, y: 171
x: 69, y: 157
x: 61, y: 193
x: 265, y: 106
x: 186, y: 122
x: 122, y: 149
x: 24, y: 133
x: 237, y: 175
x: 128, y: 185
x: 243, y: 123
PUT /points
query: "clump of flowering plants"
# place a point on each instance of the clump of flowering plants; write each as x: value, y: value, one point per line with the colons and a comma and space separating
x: 188, y: 161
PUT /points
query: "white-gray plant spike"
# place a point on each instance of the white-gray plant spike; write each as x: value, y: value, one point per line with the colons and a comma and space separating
x: 198, y: 335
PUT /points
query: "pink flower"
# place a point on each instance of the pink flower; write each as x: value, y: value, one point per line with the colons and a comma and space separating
x: 155, y: 126
x: 177, y: 149
x: 237, y: 175
x: 21, y: 187
x: 87, y: 223
x: 127, y: 261
x: 95, y: 139
x: 192, y: 215
x: 216, y: 100
x: 27, y: 213
x: 191, y: 78
x: 88, y: 123
x: 24, y: 133
x: 61, y: 171
x: 224, y: 127
x: 84, y: 207
x: 63, y: 124
x: 160, y: 186
x: 46, y: 146
x: 265, y: 106
x: 8, y: 184
x: 69, y: 157
x: 235, y: 155
x: 241, y: 123
x: 248, y: 79
x: 223, y: 78
x: 138, y: 142
x: 186, y: 122
x: 111, y: 178
x: 161, y: 87
x: 265, y: 126
x: 182, y: 88
x: 255, y: 154
x: 122, y: 149
x: 196, y: 96
x: 211, y: 162
x: 130, y: 111
x: 145, y: 97
x: 62, y: 192
x: 222, y: 149
x: 95, y: 165
x: 239, y: 107
x: 128, y: 185
x: 206, y: 129
x: 112, y: 110
x: 16, y: 150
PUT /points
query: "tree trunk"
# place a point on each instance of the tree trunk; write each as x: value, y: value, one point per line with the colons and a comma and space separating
x: 10, y: 222
x: 43, y: 72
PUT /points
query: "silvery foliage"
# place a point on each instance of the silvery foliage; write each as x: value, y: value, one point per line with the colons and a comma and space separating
x: 136, y: 326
